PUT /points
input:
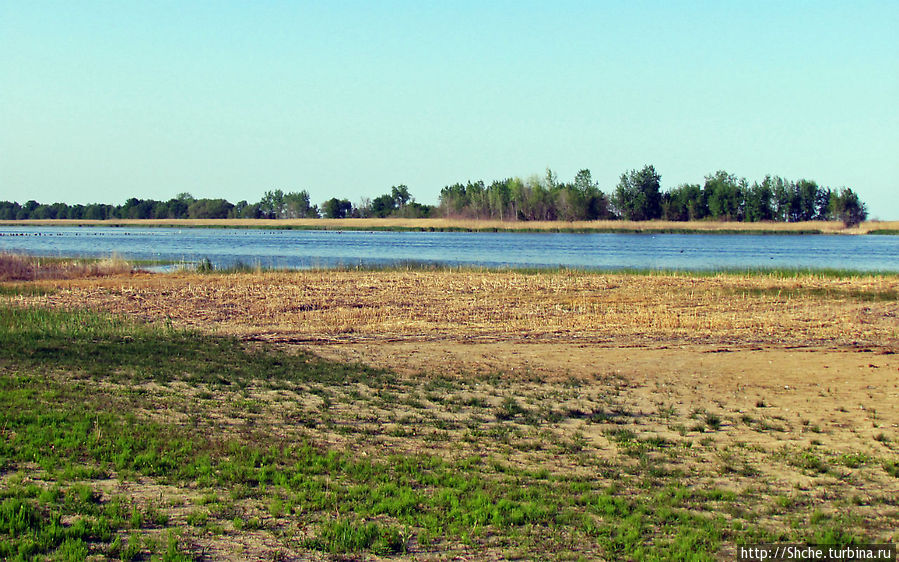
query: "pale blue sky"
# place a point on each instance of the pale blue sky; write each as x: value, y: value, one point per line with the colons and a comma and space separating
x: 101, y: 101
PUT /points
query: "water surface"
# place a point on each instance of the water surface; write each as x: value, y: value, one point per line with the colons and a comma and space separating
x: 299, y: 249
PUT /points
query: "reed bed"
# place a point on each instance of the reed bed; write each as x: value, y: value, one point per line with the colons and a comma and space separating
x: 15, y: 267
x: 828, y: 227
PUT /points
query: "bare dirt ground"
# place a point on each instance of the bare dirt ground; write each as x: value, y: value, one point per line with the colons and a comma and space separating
x: 847, y: 396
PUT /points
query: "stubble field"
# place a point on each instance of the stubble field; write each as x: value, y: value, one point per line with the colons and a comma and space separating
x: 438, y: 414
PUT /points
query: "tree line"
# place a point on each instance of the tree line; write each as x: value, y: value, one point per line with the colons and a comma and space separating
x: 275, y: 204
x: 637, y: 196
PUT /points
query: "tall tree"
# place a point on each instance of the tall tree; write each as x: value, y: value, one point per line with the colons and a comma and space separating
x: 401, y: 195
x: 724, y: 195
x: 684, y: 203
x: 550, y: 180
x: 583, y: 181
x: 383, y: 206
x: 209, y: 209
x: 498, y: 197
x: 846, y: 206
x: 298, y: 206
x: 478, y: 204
x: 335, y: 208
x: 272, y: 204
x: 811, y: 200
x: 784, y: 202
x: 363, y: 209
x: 453, y: 200
x: 760, y: 201
x: 638, y: 195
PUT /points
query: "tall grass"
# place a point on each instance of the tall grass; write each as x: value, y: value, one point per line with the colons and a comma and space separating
x: 444, y: 224
x: 206, y: 266
x: 14, y: 267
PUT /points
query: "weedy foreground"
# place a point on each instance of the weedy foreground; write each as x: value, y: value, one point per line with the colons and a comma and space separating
x: 433, y: 414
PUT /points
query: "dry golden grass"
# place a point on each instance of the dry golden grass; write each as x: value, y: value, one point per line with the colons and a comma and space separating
x: 471, y: 306
x: 469, y: 224
x: 22, y: 268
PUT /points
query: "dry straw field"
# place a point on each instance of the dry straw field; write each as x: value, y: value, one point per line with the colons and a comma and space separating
x: 721, y: 406
x: 619, y: 310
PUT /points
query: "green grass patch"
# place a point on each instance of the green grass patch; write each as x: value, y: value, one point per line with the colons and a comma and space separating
x: 347, y: 536
x: 101, y: 345
x: 24, y: 289
x: 821, y: 293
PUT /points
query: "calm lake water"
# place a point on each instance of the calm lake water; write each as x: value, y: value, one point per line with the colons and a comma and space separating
x: 309, y: 248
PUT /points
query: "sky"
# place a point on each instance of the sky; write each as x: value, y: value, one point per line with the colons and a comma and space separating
x: 102, y: 101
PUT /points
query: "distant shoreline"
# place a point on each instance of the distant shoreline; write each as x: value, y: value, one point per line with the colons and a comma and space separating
x: 468, y: 225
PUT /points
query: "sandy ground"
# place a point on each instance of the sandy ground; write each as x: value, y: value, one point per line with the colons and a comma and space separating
x: 812, y: 354
x: 853, y: 394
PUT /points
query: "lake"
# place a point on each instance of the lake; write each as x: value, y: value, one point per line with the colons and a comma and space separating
x: 301, y: 249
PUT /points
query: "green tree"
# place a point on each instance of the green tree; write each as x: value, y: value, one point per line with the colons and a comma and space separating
x: 581, y: 199
x: 209, y: 209
x: 583, y: 181
x: 9, y: 210
x: 453, y: 200
x: 535, y: 201
x: 177, y: 208
x: 185, y: 197
x: 568, y: 203
x: 724, y: 195
x: 760, y: 201
x: 298, y: 206
x: 401, y: 196
x: 811, y: 201
x: 478, y: 203
x: 598, y: 206
x: 499, y: 195
x: 846, y: 206
x: 272, y: 205
x: 785, y: 202
x: 335, y: 208
x: 414, y: 210
x: 244, y: 210
x: 137, y: 209
x: 684, y: 203
x: 550, y: 180
x: 637, y: 196
x: 383, y: 206
x: 97, y: 211
x: 42, y: 212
